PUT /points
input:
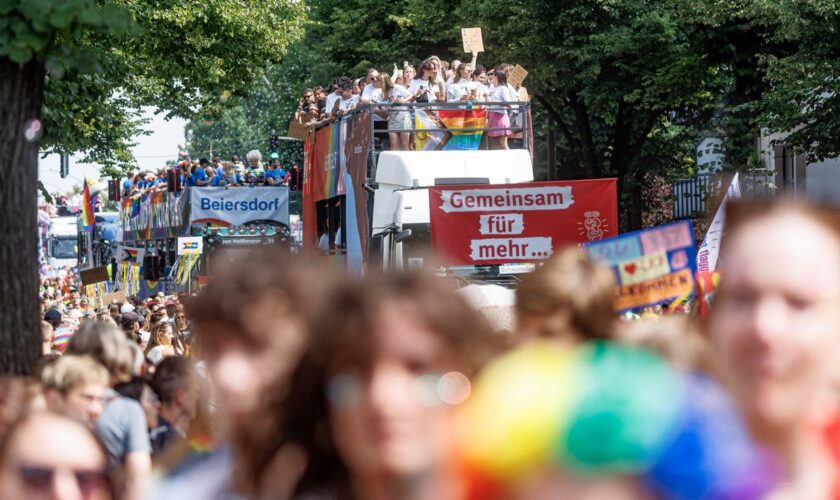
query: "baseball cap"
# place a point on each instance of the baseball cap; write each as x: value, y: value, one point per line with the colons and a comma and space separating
x: 129, y: 318
x: 126, y: 308
x: 52, y: 315
x: 275, y: 156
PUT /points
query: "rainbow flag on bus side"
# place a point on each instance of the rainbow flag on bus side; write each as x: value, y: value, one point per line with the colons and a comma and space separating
x: 443, y: 129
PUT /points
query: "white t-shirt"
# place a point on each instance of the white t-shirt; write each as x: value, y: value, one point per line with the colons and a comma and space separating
x: 372, y: 94
x: 417, y: 84
x: 158, y: 352
x: 398, y: 93
x: 455, y: 90
x: 331, y: 101
x: 503, y: 93
x: 348, y: 104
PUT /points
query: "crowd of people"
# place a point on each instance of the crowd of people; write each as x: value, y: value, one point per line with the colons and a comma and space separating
x: 235, y: 172
x: 284, y: 379
x: 436, y: 81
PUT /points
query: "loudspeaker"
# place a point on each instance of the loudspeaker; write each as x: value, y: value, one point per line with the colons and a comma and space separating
x: 114, y: 193
x: 173, y: 180
x: 151, y: 268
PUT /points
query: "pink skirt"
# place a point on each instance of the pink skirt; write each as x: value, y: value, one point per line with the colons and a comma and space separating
x: 499, y: 120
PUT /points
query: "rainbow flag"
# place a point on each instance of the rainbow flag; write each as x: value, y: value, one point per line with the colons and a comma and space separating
x: 440, y: 130
x: 87, y: 207
x: 61, y: 339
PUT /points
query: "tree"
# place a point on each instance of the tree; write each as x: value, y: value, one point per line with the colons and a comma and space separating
x: 610, y: 74
x: 804, y: 99
x: 93, y: 64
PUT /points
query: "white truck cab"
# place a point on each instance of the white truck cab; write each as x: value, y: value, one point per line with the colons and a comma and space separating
x: 62, y: 243
x: 401, y: 195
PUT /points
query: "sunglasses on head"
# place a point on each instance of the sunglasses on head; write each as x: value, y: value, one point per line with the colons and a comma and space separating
x: 41, y: 479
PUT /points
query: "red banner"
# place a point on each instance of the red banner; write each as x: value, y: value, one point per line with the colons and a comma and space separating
x: 509, y: 223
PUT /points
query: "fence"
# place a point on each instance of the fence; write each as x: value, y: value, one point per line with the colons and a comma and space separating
x: 691, y: 197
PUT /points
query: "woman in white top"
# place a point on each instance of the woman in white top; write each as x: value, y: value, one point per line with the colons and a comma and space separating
x: 428, y: 85
x: 160, y: 343
x: 462, y: 87
x: 501, y: 91
x: 399, y: 119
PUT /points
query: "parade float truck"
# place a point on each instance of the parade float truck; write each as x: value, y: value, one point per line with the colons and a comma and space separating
x: 475, y: 211
x: 174, y: 240
x: 62, y: 244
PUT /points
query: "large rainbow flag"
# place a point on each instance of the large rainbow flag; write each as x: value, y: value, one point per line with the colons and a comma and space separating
x: 88, y: 203
x: 442, y: 129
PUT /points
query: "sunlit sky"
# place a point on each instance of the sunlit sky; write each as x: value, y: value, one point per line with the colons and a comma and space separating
x: 152, y: 151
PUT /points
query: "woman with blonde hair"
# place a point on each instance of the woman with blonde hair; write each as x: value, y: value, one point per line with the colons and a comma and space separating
x: 161, y: 344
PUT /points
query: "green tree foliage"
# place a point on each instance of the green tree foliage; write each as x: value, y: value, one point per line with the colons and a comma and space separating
x: 80, y: 70
x: 805, y: 81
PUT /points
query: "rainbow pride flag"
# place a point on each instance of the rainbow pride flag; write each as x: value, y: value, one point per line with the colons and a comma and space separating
x: 87, y: 207
x: 441, y: 129
x: 61, y: 339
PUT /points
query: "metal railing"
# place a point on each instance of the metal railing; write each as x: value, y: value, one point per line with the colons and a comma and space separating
x: 519, y: 121
x: 690, y: 196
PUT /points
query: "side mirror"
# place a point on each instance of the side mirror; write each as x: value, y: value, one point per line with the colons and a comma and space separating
x: 402, y: 236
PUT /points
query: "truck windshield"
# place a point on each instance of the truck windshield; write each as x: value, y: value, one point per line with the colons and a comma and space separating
x: 64, y: 248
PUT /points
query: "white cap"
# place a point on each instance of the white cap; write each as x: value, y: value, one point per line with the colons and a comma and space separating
x: 126, y: 308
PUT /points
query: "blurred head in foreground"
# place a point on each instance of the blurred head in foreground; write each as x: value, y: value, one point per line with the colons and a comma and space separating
x: 620, y: 423
x: 568, y: 298
x: 775, y: 322
x: 49, y: 456
x: 251, y: 323
x: 370, y: 403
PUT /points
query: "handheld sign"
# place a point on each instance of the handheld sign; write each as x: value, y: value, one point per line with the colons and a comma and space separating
x: 93, y: 275
x: 517, y: 76
x: 472, y: 40
x: 190, y: 245
x: 651, y: 267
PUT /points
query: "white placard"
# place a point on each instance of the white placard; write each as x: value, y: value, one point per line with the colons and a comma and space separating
x: 190, y: 245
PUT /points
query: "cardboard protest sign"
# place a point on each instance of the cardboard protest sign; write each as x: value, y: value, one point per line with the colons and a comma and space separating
x: 653, y: 266
x: 297, y: 130
x: 515, y: 223
x: 472, y: 40
x: 110, y: 298
x: 517, y: 75
x: 93, y: 275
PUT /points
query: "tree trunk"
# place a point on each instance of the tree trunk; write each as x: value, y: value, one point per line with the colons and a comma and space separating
x: 21, y: 96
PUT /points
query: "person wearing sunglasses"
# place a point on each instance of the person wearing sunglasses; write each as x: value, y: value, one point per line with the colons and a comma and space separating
x: 50, y: 456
